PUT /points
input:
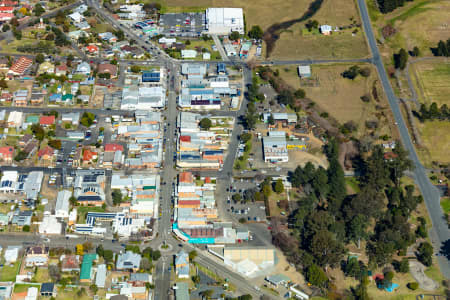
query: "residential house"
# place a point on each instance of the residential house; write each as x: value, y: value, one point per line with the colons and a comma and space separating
x: 47, y: 120
x: 83, y: 68
x: 11, y: 254
x: 48, y: 289
x: 62, y: 204
x: 182, y: 264
x: 46, y: 154
x: 108, y: 37
x: 107, y: 69
x: 304, y: 71
x: 20, y: 66
x: 325, y: 29
x: 46, y: 68
x: 72, y: 117
x: 20, y: 97
x: 37, y: 98
x: 25, y: 140
x: 61, y: 69
x: 128, y: 261
x: 36, y: 256
x: 7, y: 9
x: 70, y: 263
x: 76, y: 17
x: 92, y: 49
x: 6, y: 154
x: 140, y: 279
x: 6, y: 17
x: 4, y: 220
x: 100, y: 277
x: 32, y: 293
x: 87, y: 272
x: 89, y: 156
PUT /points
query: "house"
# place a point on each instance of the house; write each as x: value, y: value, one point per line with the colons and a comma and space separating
x: 6, y: 9
x: 277, y: 280
x: 182, y: 264
x: 62, y: 204
x: 5, y: 17
x: 76, y: 17
x: 83, y: 68
x: 128, y: 261
x: 22, y: 218
x: 61, y: 69
x: 223, y: 21
x: 36, y: 256
x: 87, y: 272
x: 83, y: 25
x: 70, y: 263
x: 206, y: 56
x: 72, y: 117
x: 326, y: 29
x: 32, y: 293
x: 188, y: 53
x: 140, y: 279
x: 100, y: 277
x: 55, y: 97
x: 89, y: 156
x: 25, y: 139
x: 74, y: 88
x: 50, y: 225
x: 48, y: 289
x: 46, y: 154
x: 107, y: 68
x: 6, y: 154
x: 46, y: 68
x: 92, y: 49
x: 11, y: 254
x: 113, y: 147
x: 20, y: 97
x: 4, y: 220
x: 47, y: 120
x: 304, y: 71
x: 20, y: 66
x: 108, y: 37
x: 37, y: 97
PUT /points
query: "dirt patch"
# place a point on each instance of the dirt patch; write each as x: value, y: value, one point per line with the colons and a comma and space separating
x: 418, y: 272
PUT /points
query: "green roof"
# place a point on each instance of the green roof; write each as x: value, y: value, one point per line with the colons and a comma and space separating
x: 86, y: 265
x: 149, y: 187
x: 32, y: 119
x: 67, y: 97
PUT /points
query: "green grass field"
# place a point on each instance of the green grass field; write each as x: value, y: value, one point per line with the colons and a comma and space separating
x: 436, y: 141
x: 82, y: 210
x: 8, y: 273
x: 432, y: 81
x: 445, y: 204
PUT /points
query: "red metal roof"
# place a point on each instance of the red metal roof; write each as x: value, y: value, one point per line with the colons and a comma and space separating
x: 47, y: 120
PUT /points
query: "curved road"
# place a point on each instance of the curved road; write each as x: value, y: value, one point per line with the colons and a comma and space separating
x: 440, y: 230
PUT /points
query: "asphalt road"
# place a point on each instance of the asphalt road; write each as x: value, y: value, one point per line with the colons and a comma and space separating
x: 429, y: 192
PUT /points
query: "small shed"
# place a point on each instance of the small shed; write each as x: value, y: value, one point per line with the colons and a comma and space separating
x: 304, y: 71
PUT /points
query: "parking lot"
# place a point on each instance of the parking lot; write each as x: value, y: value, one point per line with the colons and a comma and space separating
x: 250, y: 211
x: 182, y: 24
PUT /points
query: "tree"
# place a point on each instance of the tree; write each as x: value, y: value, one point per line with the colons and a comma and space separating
x: 402, y: 266
x: 416, y: 51
x: 234, y: 36
x: 205, y: 124
x: 400, y: 59
x: 116, y: 196
x: 145, y: 264
x: 365, y: 72
x: 87, y: 246
x: 316, y: 276
x: 196, y: 279
x: 79, y: 248
x: 360, y: 291
x: 413, y: 285
x: 279, y: 187
x: 40, y: 58
x: 73, y: 200
x: 325, y: 248
x: 100, y: 251
x: 38, y: 10
x: 156, y: 254
x: 135, y: 69
x: 53, y: 271
x: 351, y: 73
x: 26, y: 228
x: 311, y: 24
x: 55, y: 144
x: 236, y: 197
x: 256, y: 32
x: 245, y: 297
x: 425, y: 253
x: 108, y: 255
x: 300, y: 93
x: 5, y: 27
x: 271, y: 120
x: 21, y: 155
x: 192, y: 255
x: 14, y: 22
x: 207, y: 294
x: 388, y: 278
x: 93, y: 288
x: 245, y: 137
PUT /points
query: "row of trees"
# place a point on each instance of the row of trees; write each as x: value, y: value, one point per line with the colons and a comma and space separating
x: 433, y: 112
x: 387, y: 6
x: 442, y: 49
x: 354, y: 71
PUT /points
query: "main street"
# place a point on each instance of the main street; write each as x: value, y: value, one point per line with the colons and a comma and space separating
x: 429, y: 192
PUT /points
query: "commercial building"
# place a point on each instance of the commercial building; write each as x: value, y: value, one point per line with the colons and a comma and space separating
x: 143, y: 98
x: 9, y: 181
x: 50, y: 225
x: 128, y: 261
x: 275, y: 149
x: 62, y: 204
x: 87, y: 272
x: 223, y: 21
x: 89, y: 187
x: 100, y: 277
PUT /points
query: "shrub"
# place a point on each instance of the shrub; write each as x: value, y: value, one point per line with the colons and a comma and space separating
x: 413, y: 286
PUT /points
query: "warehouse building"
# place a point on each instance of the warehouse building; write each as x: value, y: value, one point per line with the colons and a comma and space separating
x: 224, y: 20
